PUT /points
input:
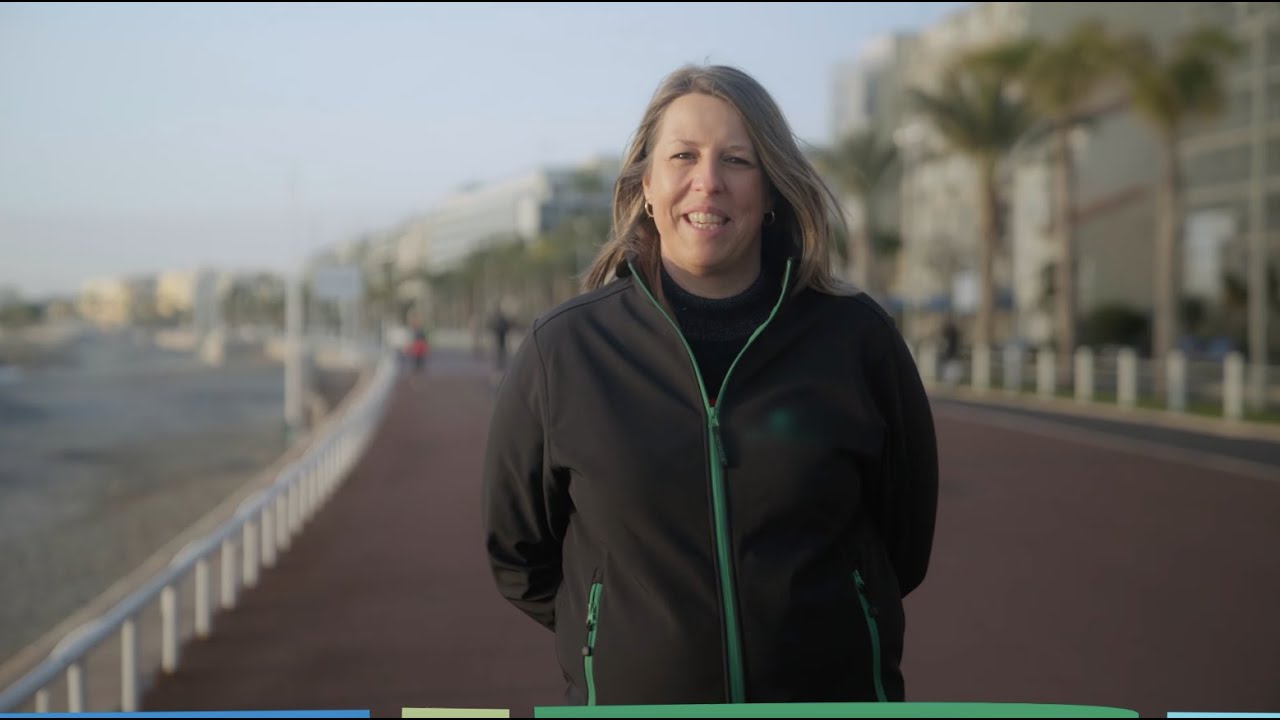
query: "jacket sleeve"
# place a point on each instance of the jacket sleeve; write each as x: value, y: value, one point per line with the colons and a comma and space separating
x: 525, y: 506
x: 906, y: 499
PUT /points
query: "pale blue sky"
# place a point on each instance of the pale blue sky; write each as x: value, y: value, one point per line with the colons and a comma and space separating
x: 142, y: 138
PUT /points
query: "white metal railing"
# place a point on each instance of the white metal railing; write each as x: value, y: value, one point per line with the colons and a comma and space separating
x: 263, y: 526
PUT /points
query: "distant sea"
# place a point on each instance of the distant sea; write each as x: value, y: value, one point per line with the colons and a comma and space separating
x: 108, y: 453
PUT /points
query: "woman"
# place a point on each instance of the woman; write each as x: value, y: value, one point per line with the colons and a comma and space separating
x: 714, y: 475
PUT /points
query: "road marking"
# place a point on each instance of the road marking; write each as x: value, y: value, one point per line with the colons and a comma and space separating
x: 1133, y: 446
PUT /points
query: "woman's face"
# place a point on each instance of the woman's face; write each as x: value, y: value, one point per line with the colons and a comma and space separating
x: 709, y: 196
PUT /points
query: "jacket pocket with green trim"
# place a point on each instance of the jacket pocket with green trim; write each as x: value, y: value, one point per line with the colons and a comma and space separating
x: 869, y: 614
x: 593, y: 628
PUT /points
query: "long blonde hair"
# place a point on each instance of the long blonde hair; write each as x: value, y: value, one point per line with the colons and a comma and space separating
x: 804, y: 204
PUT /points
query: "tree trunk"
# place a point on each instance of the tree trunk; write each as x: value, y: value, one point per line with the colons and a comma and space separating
x: 1168, y: 224
x: 858, y: 251
x: 989, y: 224
x: 868, y: 259
x: 1065, y: 230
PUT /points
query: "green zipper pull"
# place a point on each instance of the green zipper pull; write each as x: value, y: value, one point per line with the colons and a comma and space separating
x: 718, y: 439
x: 857, y: 579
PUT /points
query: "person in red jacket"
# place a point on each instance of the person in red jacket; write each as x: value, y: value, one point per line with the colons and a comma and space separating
x: 418, y: 350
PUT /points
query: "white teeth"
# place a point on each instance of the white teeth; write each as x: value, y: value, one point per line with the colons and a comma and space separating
x: 699, y: 218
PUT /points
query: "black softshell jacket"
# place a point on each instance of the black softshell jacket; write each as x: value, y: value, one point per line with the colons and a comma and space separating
x: 749, y: 543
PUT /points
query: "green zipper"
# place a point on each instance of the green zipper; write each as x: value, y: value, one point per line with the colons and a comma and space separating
x: 588, y: 652
x: 718, y: 461
x: 874, y: 629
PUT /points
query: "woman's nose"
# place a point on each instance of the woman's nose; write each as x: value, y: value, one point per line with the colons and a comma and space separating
x: 708, y: 177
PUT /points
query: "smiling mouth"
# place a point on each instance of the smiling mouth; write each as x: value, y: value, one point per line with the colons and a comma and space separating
x: 706, y: 221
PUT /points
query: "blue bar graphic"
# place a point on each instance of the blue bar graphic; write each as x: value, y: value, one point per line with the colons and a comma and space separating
x: 202, y: 714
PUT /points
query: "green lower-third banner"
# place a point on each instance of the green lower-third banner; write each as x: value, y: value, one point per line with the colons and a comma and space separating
x: 839, y: 710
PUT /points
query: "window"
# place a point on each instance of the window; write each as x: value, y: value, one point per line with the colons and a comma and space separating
x: 1239, y: 112
x: 1217, y: 167
x: 1273, y: 212
x: 1214, y: 13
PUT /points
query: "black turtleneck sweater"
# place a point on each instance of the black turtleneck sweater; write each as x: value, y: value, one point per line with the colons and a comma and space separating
x: 717, y: 330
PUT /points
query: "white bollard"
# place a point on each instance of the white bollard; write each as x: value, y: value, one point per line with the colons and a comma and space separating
x: 252, y: 556
x: 281, y: 520
x: 1176, y: 382
x: 1013, y: 368
x: 1233, y: 386
x: 1127, y: 378
x: 268, y: 523
x: 981, y: 378
x: 129, y: 666
x: 928, y: 364
x: 75, y: 687
x: 1084, y: 375
x: 227, y: 586
x: 168, y: 630
x: 204, y: 592
x: 1045, y: 378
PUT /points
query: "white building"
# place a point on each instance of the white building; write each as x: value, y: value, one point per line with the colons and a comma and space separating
x: 119, y: 302
x: 1232, y: 172
x: 940, y: 192
x: 870, y: 96
x: 869, y: 91
x: 519, y: 208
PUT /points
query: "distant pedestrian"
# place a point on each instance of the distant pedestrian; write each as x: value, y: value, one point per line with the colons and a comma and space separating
x: 418, y: 350
x: 500, y: 325
x: 951, y: 370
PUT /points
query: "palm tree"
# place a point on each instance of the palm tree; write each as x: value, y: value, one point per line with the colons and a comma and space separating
x: 977, y: 113
x: 860, y: 163
x: 1057, y: 79
x: 1060, y: 78
x: 1185, y: 84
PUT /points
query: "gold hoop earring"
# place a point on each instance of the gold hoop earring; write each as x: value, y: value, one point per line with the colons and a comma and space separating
x: 772, y: 218
x: 648, y: 209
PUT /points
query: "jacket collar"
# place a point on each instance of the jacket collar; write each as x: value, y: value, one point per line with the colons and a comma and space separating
x: 776, y: 250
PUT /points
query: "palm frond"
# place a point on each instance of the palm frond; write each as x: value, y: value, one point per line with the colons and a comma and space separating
x: 860, y: 161
x: 975, y: 112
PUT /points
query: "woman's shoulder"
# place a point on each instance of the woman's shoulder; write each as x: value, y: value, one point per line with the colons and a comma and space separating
x: 581, y: 308
x: 858, y: 323
x: 855, y: 311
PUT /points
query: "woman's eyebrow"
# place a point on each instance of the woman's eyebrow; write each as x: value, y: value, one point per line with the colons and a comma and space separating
x: 736, y: 147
